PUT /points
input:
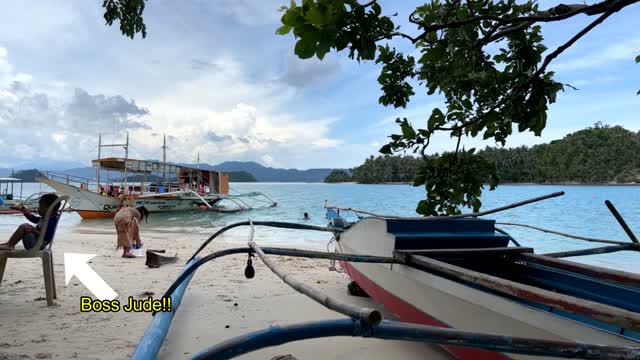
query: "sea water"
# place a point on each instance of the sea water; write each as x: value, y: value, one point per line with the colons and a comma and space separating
x: 580, y: 211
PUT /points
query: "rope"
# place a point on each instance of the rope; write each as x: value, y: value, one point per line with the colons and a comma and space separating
x: 577, y: 237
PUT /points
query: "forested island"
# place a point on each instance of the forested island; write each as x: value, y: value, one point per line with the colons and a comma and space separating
x: 28, y: 175
x: 596, y: 155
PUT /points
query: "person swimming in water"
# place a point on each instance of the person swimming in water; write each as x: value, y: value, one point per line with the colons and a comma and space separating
x: 306, y: 216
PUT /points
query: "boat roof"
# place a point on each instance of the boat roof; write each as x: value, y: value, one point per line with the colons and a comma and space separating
x: 142, y: 166
x: 10, y: 179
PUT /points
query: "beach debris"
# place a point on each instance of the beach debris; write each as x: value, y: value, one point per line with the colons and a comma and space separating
x: 227, y: 326
x: 155, y: 261
x: 42, y: 356
x: 7, y: 356
x: 146, y: 293
x: 284, y: 357
x: 39, y: 299
x: 235, y: 304
x: 355, y: 290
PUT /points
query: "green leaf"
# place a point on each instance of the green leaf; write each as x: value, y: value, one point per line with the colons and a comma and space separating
x: 467, y: 104
x: 305, y: 47
x: 386, y: 149
x: 638, y: 59
x: 283, y: 30
x: 322, y: 49
x: 436, y: 118
x: 407, y: 130
x: 316, y: 16
x: 376, y: 8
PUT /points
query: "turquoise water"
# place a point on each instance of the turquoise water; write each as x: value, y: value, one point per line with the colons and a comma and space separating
x: 581, y: 211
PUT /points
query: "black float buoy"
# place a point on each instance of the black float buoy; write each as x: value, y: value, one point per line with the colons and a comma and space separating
x: 249, y: 272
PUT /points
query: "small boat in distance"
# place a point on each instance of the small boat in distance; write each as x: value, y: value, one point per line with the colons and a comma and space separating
x: 173, y: 187
x: 10, y: 197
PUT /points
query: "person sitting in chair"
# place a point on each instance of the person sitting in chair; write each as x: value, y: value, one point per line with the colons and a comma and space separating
x: 29, y: 233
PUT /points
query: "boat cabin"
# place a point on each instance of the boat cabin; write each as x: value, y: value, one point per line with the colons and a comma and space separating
x: 7, y: 188
x: 146, y: 175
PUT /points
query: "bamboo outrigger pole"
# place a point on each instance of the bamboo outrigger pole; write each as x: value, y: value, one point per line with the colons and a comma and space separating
x: 475, y: 214
x: 151, y: 341
x: 367, y: 315
x: 392, y: 330
x: 621, y: 221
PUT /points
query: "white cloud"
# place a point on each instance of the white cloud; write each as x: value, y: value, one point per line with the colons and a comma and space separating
x: 327, y: 143
x: 44, y: 125
x: 251, y: 117
x: 250, y: 12
x: 301, y: 73
x: 267, y: 159
x: 621, y: 51
x: 224, y: 114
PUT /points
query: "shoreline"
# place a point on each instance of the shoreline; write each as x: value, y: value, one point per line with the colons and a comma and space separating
x: 219, y: 304
x: 569, y: 183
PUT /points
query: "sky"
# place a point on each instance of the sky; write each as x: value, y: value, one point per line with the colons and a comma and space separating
x: 213, y: 76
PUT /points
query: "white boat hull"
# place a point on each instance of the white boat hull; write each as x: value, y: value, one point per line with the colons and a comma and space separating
x: 90, y: 205
x: 420, y: 297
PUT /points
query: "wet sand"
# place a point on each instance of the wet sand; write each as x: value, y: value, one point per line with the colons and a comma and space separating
x: 219, y: 304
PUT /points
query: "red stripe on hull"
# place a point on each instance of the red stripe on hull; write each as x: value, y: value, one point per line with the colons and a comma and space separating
x: 409, y: 313
x: 89, y: 214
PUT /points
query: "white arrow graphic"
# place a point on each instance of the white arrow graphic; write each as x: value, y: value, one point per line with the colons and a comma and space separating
x: 76, y: 264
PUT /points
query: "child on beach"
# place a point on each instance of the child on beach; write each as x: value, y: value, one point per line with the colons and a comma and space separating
x: 29, y: 233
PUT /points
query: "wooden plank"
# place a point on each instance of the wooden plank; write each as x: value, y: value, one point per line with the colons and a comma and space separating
x: 597, y: 272
x: 594, y: 310
x: 482, y: 251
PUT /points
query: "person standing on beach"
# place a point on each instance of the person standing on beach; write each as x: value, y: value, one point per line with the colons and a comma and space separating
x: 126, y: 222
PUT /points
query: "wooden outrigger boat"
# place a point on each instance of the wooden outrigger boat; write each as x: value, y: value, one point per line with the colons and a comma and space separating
x: 459, y: 273
x: 176, y: 187
x: 451, y: 281
x: 10, y: 196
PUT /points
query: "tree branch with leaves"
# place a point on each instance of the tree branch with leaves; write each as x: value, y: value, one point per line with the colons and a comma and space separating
x: 486, y: 92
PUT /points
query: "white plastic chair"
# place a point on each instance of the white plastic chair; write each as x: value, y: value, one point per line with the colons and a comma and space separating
x: 45, y: 254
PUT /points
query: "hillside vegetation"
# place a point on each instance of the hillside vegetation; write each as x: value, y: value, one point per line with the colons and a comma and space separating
x: 598, y: 154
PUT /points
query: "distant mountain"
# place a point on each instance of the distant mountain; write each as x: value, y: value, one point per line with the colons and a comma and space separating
x: 260, y: 172
x: 269, y: 174
x: 241, y: 176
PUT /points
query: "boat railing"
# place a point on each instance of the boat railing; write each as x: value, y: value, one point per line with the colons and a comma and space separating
x: 84, y: 182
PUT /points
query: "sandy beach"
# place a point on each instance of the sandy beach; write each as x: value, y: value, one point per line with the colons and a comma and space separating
x: 219, y: 304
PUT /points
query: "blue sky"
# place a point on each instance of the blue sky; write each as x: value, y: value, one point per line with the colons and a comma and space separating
x: 214, y: 77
